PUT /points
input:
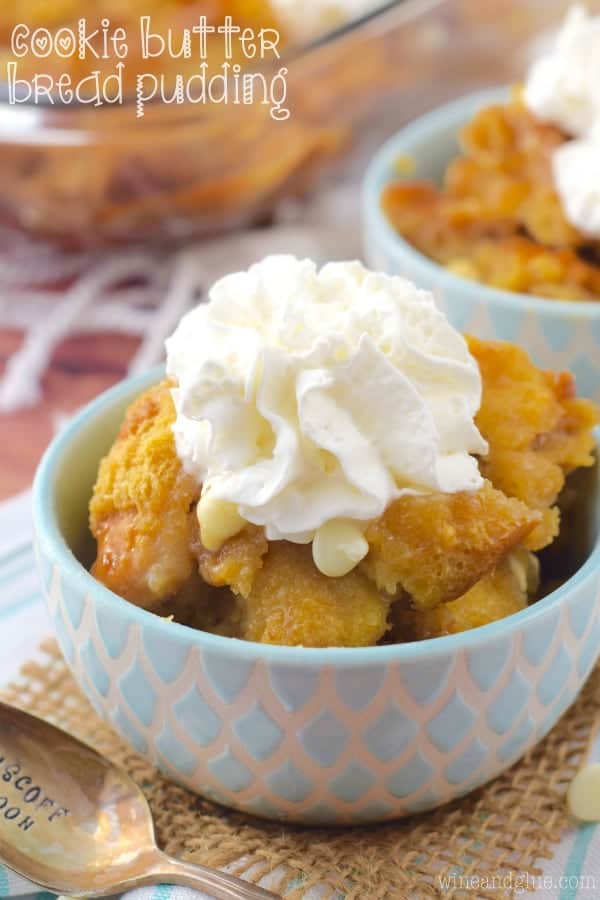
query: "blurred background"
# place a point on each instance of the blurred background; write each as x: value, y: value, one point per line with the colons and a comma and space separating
x: 113, y: 223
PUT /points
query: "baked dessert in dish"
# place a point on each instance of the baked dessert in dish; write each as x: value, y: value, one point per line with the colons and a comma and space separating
x: 329, y: 463
x: 518, y: 208
x: 82, y: 168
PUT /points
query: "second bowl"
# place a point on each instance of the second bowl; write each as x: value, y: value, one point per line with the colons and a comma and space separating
x: 558, y: 334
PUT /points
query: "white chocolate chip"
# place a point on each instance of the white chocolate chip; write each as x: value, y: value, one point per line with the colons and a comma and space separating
x: 463, y: 268
x: 526, y: 569
x: 583, y: 796
x: 218, y: 521
x: 338, y: 547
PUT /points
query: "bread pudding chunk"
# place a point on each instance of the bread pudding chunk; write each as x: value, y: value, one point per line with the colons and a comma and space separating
x: 538, y: 431
x: 437, y: 547
x: 291, y: 602
x: 504, y: 591
x: 140, y: 509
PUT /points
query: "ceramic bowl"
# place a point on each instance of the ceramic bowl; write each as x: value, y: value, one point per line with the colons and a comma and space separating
x: 328, y: 736
x: 558, y: 334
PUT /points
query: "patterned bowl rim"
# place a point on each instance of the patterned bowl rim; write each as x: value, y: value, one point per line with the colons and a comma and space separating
x: 54, y: 547
x: 380, y: 171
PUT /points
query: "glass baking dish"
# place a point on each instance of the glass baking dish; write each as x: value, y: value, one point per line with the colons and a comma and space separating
x: 86, y: 176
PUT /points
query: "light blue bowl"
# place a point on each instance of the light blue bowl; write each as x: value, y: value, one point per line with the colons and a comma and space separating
x: 329, y: 736
x: 558, y: 334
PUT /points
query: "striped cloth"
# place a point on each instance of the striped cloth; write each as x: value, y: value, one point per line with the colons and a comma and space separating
x: 572, y: 874
x: 23, y: 620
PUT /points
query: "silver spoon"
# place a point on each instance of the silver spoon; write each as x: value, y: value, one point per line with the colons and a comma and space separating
x: 75, y: 824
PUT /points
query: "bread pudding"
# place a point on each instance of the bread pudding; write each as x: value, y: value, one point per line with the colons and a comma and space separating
x: 435, y: 560
x: 517, y: 209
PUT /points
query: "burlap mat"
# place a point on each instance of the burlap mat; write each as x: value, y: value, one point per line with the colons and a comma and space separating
x: 502, y: 830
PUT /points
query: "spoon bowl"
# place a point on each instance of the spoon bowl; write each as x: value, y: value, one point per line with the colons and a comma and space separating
x: 75, y: 824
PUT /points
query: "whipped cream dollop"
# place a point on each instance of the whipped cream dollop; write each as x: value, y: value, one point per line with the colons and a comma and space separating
x: 563, y: 87
x: 576, y: 168
x: 308, y: 398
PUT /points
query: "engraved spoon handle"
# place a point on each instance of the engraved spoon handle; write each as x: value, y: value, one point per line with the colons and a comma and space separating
x: 217, y: 884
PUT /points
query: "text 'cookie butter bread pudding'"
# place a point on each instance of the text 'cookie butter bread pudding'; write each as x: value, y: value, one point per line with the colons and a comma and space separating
x: 329, y: 463
x: 519, y: 208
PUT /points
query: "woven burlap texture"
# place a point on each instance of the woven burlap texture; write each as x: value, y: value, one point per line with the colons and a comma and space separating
x: 499, y: 834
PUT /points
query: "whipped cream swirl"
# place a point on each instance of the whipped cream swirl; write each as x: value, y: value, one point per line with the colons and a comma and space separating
x: 576, y: 169
x: 306, y: 397
x: 563, y: 87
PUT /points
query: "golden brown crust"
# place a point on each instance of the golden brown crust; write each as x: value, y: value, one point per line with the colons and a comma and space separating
x: 292, y: 603
x: 500, y: 593
x: 436, y: 547
x: 237, y: 562
x: 141, y: 506
x: 537, y: 430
